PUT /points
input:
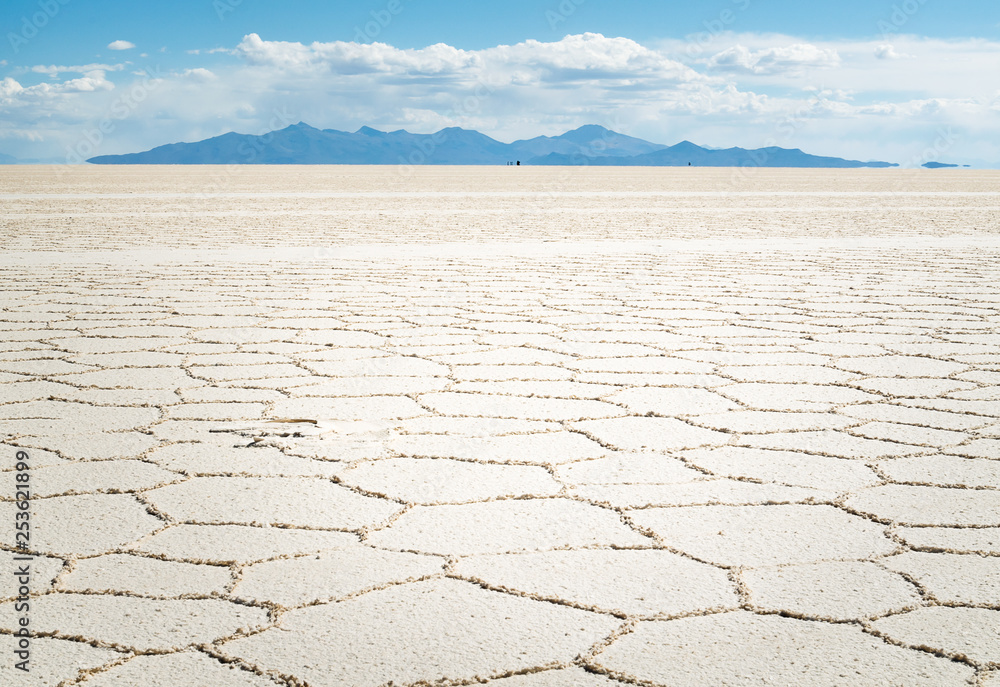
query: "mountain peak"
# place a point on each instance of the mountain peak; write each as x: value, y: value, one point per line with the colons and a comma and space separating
x: 590, y: 129
x: 587, y: 133
x: 368, y: 131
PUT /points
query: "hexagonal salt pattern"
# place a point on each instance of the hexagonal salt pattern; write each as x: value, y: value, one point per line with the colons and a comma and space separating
x: 84, y: 524
x: 834, y: 590
x: 628, y: 582
x: 963, y: 633
x: 437, y: 629
x: 767, y: 459
x: 124, y: 621
x: 741, y: 649
x: 565, y: 677
x: 751, y: 536
x: 148, y: 576
x: 327, y: 575
x: 53, y: 661
x: 509, y: 525
x: 182, y: 668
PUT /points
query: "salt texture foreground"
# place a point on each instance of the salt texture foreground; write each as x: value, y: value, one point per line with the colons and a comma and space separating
x: 530, y: 428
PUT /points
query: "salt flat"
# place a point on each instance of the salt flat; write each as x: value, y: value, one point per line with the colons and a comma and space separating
x: 516, y: 426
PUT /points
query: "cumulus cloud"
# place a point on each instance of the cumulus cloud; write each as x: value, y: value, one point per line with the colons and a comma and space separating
x: 589, y: 56
x: 9, y: 87
x: 55, y: 70
x: 582, y: 57
x: 888, y: 52
x: 120, y: 45
x: 85, y: 84
x: 199, y: 74
x: 787, y: 59
x: 508, y: 90
x: 88, y: 83
x: 345, y: 58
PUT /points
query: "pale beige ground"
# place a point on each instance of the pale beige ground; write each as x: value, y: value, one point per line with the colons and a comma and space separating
x: 552, y: 427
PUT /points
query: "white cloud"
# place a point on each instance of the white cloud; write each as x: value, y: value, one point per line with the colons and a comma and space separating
x: 9, y: 87
x: 508, y: 91
x: 588, y: 56
x: 120, y: 45
x: 574, y: 58
x: 199, y: 74
x: 888, y: 52
x: 55, y: 70
x: 89, y: 82
x: 86, y: 84
x: 778, y: 60
x: 353, y: 58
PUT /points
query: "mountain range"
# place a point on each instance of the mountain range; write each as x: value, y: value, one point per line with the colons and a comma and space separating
x: 588, y: 145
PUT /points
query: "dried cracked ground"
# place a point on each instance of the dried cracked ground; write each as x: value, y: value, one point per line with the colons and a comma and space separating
x: 638, y: 462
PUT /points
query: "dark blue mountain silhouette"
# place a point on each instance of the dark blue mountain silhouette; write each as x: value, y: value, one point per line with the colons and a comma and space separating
x: 686, y: 153
x: 588, y: 145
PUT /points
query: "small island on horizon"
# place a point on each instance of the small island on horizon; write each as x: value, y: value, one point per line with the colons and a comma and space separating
x: 588, y: 145
x: 941, y: 165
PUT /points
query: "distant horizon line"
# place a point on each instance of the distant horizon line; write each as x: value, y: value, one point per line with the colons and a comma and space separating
x: 367, y: 130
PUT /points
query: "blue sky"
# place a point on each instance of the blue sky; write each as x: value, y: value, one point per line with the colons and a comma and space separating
x: 902, y: 80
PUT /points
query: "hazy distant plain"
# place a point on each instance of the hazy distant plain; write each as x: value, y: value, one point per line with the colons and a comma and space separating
x: 82, y: 208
